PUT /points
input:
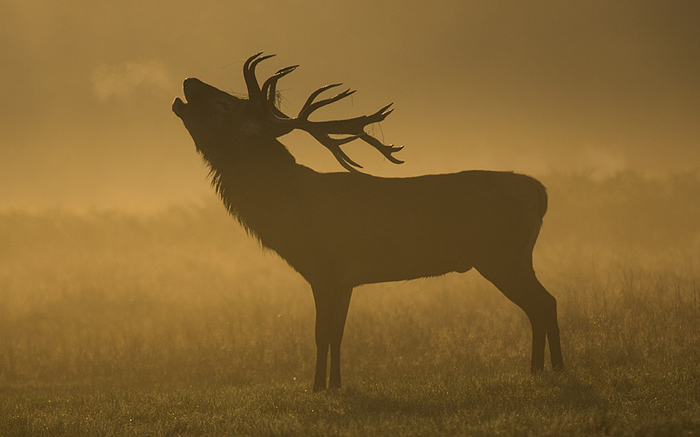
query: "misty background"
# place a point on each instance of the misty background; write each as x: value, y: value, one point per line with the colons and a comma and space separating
x: 589, y: 88
x: 132, y: 303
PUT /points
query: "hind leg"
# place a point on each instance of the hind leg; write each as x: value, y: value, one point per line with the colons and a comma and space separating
x: 545, y: 314
x: 553, y: 338
x: 519, y: 284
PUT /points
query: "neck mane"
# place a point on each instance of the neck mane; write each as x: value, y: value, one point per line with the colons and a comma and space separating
x: 255, y: 183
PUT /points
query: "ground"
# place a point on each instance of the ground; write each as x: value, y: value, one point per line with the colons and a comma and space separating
x: 178, y: 324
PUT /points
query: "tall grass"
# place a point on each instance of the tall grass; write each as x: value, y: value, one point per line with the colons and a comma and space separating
x: 182, y: 315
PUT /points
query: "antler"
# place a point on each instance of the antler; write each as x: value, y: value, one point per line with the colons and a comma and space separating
x: 263, y: 100
x: 249, y: 75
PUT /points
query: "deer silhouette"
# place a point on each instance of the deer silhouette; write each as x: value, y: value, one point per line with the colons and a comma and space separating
x: 341, y: 230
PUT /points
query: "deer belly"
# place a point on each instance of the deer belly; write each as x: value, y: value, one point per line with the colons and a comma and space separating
x: 412, y: 265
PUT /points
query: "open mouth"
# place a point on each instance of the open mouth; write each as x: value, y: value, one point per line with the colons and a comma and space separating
x: 180, y: 104
x: 179, y: 107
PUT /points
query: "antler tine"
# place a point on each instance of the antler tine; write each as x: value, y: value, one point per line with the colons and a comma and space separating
x: 315, y: 94
x: 333, y: 145
x: 355, y: 128
x: 254, y: 92
x: 382, y: 113
x: 250, y: 80
x: 386, y: 150
x: 345, y: 161
x: 354, y: 125
x: 306, y: 112
x: 269, y: 90
x: 246, y: 65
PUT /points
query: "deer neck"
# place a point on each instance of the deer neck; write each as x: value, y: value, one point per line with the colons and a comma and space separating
x: 257, y: 186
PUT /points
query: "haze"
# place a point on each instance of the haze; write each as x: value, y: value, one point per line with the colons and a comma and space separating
x: 552, y: 87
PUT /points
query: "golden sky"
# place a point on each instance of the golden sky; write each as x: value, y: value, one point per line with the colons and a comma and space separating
x: 536, y: 87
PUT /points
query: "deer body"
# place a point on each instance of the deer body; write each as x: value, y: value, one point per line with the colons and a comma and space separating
x: 341, y: 230
x: 361, y: 229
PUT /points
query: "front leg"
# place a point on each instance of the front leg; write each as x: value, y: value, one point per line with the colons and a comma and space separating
x: 340, y: 313
x: 321, y: 359
x: 324, y: 316
x: 331, y: 311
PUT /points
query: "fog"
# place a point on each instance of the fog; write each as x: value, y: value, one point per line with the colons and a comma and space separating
x: 548, y: 88
x: 134, y: 304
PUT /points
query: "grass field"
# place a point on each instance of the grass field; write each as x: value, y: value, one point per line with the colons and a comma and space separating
x: 178, y: 324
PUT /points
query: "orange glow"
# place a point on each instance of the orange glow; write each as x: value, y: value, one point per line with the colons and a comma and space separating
x: 540, y: 89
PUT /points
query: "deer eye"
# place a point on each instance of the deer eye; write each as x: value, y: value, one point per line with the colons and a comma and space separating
x: 224, y: 105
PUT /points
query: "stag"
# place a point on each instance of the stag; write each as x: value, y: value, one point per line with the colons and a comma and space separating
x: 342, y: 230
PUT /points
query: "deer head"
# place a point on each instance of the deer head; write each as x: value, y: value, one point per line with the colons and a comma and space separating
x: 211, y: 115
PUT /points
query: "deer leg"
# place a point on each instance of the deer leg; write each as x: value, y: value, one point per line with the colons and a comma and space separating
x: 547, y: 307
x: 553, y: 331
x: 555, y: 346
x: 342, y: 304
x: 324, y: 317
x: 522, y: 287
x: 542, y: 312
x: 539, y: 332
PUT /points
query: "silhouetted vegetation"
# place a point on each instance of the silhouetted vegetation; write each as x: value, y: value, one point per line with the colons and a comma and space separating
x: 179, y: 323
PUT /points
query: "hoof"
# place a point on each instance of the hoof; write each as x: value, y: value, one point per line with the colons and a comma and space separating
x: 537, y: 370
